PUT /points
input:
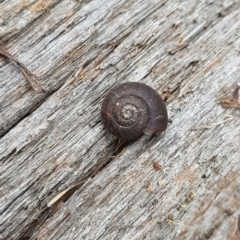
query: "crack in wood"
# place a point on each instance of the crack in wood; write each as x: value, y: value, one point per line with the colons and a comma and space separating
x: 47, y: 212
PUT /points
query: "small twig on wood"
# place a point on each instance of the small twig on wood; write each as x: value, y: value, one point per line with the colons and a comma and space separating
x: 212, y: 125
x: 31, y: 78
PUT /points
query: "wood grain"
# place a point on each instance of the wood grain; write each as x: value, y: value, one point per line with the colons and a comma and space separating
x: 50, y: 141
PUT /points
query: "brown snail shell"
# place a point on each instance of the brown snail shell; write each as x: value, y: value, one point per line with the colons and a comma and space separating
x: 132, y: 109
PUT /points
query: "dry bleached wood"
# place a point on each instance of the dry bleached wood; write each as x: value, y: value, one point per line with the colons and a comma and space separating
x: 79, y: 50
x: 30, y: 77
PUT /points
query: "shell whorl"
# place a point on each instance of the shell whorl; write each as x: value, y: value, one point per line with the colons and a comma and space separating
x: 131, y: 109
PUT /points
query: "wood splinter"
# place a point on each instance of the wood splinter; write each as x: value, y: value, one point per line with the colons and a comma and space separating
x: 31, y: 78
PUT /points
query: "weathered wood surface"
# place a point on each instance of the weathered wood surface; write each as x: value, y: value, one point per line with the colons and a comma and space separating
x: 52, y: 140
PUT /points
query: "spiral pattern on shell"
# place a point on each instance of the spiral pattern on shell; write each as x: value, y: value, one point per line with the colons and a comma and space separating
x: 132, y: 109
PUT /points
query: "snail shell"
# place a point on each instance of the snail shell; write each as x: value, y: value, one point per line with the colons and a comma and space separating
x: 132, y: 109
